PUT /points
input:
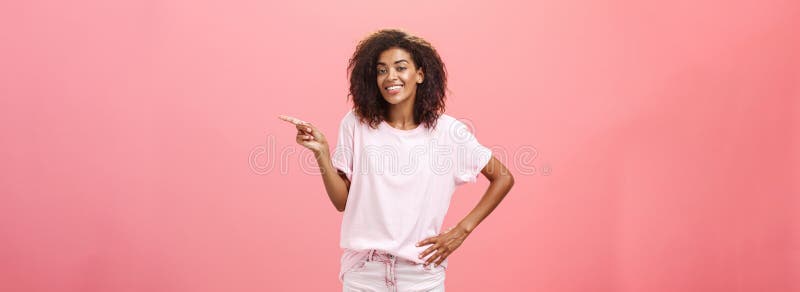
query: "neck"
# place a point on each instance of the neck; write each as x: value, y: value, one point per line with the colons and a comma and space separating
x: 402, y: 115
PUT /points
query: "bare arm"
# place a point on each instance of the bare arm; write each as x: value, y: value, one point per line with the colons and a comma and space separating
x: 444, y: 244
x: 336, y: 183
x: 500, y: 183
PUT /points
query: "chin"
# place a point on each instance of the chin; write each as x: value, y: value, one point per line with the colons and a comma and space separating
x: 394, y: 99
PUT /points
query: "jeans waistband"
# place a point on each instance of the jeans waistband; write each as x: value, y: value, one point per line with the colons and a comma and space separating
x: 390, y: 260
x: 375, y: 255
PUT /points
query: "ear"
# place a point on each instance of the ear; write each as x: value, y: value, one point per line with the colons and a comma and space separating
x: 420, y: 76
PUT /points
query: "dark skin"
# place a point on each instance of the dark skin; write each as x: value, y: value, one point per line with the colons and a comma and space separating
x: 336, y: 183
x: 396, y: 68
x: 444, y: 244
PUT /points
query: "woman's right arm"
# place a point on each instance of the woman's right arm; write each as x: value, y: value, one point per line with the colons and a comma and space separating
x: 336, y: 183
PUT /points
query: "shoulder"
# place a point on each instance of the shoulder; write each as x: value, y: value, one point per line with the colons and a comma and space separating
x: 454, y: 130
x: 349, y: 119
x: 448, y: 123
x: 445, y: 120
x: 350, y: 114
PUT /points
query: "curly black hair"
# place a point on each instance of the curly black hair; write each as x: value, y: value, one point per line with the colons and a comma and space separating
x: 368, y: 103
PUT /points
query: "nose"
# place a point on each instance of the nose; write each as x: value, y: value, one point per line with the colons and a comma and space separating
x: 392, y: 74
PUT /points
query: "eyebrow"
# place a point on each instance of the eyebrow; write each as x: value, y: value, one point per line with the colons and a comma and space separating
x: 398, y: 61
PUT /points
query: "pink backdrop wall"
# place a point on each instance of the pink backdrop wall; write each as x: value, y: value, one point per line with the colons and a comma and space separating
x: 141, y: 150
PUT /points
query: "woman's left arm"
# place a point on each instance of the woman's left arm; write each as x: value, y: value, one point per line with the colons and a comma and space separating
x: 445, y: 243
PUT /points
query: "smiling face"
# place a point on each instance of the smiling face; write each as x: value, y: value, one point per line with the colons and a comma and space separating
x: 398, y: 76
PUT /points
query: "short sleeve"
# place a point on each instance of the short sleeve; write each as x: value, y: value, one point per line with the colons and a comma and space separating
x: 470, y: 156
x: 342, y: 157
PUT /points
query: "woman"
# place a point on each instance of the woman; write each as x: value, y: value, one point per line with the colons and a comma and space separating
x: 397, y: 162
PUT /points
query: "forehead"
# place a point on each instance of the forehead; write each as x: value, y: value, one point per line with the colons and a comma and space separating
x: 392, y: 55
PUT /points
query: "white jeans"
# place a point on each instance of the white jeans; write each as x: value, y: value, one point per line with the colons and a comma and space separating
x: 384, y: 272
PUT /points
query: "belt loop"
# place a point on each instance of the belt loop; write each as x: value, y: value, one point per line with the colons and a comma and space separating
x: 391, y: 273
x: 369, y: 257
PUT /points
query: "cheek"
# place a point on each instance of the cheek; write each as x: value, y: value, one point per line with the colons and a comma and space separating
x: 413, y: 87
x: 412, y: 78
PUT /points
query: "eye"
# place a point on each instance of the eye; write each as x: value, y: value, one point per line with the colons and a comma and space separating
x: 381, y: 71
x: 401, y: 68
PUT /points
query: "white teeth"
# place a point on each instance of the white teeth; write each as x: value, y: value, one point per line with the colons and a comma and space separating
x: 394, y: 87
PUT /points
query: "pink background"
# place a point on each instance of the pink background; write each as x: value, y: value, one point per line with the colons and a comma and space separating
x: 666, y: 137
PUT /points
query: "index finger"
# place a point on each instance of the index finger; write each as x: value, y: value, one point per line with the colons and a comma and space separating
x: 292, y: 120
x: 427, y: 241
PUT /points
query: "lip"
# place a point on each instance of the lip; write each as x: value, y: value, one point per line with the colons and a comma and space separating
x: 393, y: 91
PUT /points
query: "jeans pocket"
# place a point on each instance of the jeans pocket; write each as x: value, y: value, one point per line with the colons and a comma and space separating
x: 360, y: 267
x: 367, y: 265
x: 431, y: 269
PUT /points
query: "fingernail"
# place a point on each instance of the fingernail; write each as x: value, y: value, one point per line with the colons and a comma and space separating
x: 308, y: 129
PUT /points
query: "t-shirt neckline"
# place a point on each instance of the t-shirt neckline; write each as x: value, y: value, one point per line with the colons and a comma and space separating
x: 401, y: 131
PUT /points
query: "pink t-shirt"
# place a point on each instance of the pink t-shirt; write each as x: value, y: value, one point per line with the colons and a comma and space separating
x: 401, y: 183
